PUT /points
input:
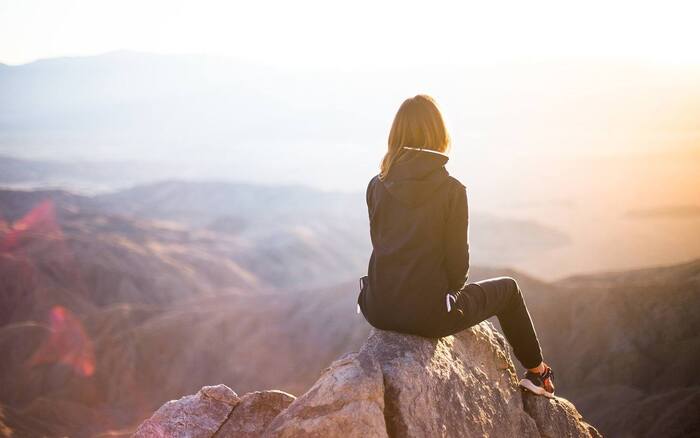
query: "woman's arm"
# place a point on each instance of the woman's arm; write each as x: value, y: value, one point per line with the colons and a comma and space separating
x: 457, y: 239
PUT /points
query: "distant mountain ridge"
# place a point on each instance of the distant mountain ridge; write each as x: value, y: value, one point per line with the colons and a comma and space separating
x: 322, y: 237
x: 81, y: 176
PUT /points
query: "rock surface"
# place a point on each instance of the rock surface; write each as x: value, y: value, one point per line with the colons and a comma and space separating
x: 215, y: 411
x: 254, y: 412
x: 196, y: 416
x: 569, y: 421
x: 395, y: 386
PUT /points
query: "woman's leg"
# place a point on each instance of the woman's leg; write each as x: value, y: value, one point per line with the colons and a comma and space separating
x: 501, y: 297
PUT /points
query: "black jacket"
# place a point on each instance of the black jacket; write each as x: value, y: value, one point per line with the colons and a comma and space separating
x: 418, y: 224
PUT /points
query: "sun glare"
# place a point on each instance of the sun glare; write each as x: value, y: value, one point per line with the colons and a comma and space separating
x: 363, y: 35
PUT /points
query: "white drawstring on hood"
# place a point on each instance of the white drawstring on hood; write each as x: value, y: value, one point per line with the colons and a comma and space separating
x: 449, y: 297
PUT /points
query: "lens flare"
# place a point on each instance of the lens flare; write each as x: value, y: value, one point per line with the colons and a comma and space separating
x: 68, y: 344
x: 40, y: 219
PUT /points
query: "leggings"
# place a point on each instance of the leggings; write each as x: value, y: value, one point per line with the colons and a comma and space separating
x: 500, y: 297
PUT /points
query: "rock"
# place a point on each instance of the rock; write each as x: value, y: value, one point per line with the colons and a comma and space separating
x: 347, y: 401
x: 458, y: 386
x: 569, y: 422
x: 404, y: 386
x: 194, y: 416
x: 254, y: 412
x: 455, y: 386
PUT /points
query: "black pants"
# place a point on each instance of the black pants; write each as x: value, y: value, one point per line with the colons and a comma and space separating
x: 500, y: 297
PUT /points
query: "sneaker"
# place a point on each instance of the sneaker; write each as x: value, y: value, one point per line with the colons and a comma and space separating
x: 540, y: 384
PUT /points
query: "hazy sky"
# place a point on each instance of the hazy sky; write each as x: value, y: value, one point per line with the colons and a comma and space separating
x: 354, y: 35
x: 516, y: 81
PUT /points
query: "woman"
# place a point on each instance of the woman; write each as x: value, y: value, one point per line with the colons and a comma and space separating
x: 417, y: 276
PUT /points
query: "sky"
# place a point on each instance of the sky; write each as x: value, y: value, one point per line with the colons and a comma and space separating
x: 363, y: 35
x: 569, y: 114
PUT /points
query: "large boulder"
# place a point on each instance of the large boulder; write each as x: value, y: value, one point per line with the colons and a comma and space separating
x: 407, y: 386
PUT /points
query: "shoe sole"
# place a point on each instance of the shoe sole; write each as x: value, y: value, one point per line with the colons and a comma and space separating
x: 527, y: 384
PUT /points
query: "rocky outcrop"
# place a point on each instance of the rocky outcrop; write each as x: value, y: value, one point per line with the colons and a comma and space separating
x: 215, y: 411
x: 395, y: 386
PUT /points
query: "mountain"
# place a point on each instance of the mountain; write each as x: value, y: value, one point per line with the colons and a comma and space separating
x: 299, y: 238
x: 624, y: 346
x: 316, y: 238
x: 79, y: 176
x: 58, y: 249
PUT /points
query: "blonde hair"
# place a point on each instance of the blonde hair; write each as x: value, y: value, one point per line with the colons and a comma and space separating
x: 419, y: 124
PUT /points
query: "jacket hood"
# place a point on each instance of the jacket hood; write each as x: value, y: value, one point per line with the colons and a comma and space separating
x: 416, y: 175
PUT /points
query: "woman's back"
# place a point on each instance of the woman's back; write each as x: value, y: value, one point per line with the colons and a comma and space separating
x: 418, y: 226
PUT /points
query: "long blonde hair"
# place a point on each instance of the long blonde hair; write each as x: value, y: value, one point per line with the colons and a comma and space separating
x: 419, y: 124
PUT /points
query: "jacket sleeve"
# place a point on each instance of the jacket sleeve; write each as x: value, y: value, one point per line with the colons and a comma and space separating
x: 457, y: 240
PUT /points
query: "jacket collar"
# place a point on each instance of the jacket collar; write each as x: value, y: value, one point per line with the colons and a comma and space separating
x: 416, y: 163
x: 416, y: 175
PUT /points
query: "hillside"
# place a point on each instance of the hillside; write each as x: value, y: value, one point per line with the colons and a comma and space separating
x: 625, y: 345
x: 97, y: 308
